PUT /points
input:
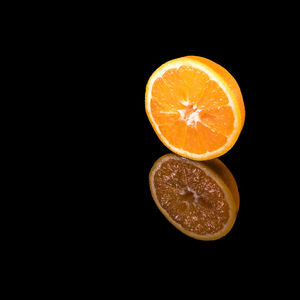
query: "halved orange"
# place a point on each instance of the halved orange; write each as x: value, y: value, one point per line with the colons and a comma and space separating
x: 201, y: 199
x: 195, y: 107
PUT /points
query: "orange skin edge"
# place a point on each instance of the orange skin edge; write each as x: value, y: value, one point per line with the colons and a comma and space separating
x: 224, y: 173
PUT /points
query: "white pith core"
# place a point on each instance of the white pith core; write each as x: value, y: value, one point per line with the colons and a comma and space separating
x: 192, y: 119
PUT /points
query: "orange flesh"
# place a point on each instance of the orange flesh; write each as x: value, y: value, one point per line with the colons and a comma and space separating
x: 191, y: 111
x: 190, y: 197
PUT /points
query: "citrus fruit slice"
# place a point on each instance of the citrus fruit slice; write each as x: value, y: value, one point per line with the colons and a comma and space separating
x: 201, y: 199
x: 195, y: 107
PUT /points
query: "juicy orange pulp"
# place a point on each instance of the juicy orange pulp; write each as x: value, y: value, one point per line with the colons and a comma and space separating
x: 195, y: 107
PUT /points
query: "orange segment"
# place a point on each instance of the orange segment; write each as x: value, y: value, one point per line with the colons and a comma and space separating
x: 164, y: 96
x: 200, y: 199
x: 174, y: 131
x: 176, y: 85
x: 220, y: 120
x: 195, y: 81
x: 201, y: 138
x: 212, y: 97
x: 195, y: 107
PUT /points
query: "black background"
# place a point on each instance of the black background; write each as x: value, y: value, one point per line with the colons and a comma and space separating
x: 93, y: 147
x: 257, y: 56
x: 103, y: 147
x: 93, y: 216
x: 255, y: 160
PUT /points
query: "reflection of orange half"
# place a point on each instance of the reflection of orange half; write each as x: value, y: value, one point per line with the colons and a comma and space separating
x: 219, y: 168
x: 195, y: 107
x: 201, y: 199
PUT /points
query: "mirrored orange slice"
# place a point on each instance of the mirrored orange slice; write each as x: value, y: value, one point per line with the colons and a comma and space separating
x: 195, y: 107
x: 201, y: 199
